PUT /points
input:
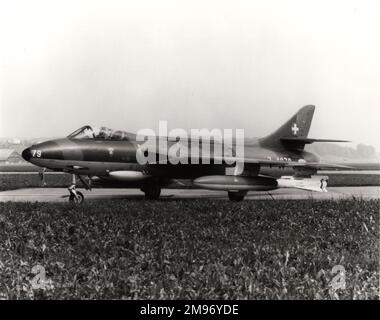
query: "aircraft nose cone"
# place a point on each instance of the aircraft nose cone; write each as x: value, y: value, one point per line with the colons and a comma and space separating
x: 26, y: 154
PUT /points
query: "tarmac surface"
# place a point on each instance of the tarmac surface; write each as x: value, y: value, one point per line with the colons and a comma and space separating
x: 61, y: 194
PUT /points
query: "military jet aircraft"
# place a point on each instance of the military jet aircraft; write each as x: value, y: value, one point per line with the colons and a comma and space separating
x: 109, y: 158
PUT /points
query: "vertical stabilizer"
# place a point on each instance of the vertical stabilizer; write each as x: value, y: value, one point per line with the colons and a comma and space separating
x: 297, y: 126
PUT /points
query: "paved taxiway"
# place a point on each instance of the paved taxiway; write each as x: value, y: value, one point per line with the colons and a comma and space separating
x: 58, y: 194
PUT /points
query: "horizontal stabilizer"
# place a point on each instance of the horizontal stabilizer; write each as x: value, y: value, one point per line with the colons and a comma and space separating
x: 321, y: 166
x: 308, y: 140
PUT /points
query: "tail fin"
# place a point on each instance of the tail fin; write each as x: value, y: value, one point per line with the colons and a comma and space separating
x: 297, y: 126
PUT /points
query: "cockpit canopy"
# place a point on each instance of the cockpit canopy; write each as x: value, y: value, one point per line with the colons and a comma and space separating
x: 102, y: 133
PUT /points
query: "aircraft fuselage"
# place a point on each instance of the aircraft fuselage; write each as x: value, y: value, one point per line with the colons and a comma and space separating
x: 99, y: 157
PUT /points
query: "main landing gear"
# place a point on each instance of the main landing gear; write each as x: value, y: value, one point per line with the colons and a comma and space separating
x: 152, y: 190
x: 236, y: 196
x: 76, y: 196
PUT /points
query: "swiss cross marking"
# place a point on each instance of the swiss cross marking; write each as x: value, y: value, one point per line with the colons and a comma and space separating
x: 295, y: 129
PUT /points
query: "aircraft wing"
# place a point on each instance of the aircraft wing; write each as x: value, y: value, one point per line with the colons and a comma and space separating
x: 294, y: 164
x: 269, y: 163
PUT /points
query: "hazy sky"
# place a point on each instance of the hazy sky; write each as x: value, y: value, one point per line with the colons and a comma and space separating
x: 224, y: 64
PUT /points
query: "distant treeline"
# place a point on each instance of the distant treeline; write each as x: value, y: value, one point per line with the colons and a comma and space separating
x: 361, y: 152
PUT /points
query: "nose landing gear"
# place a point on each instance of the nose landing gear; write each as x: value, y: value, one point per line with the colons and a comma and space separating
x: 76, y: 196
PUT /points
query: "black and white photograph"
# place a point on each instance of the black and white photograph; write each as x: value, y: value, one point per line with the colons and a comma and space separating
x: 204, y: 152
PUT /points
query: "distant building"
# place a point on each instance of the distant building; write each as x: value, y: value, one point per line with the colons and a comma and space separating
x: 10, y: 156
x: 14, y: 141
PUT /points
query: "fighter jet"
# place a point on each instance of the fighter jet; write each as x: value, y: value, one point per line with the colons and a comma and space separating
x: 108, y: 157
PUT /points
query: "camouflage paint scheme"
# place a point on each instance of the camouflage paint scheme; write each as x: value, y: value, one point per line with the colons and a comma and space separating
x: 280, y: 153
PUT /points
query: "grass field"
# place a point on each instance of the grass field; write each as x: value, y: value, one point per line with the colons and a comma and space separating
x: 190, y: 249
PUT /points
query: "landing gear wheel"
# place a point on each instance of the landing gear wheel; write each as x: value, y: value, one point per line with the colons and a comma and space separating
x: 74, y: 195
x: 76, y: 199
x: 236, y: 196
x: 152, y: 191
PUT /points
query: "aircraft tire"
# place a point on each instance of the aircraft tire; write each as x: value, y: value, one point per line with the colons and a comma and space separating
x: 152, y: 191
x: 236, y: 196
x: 80, y: 198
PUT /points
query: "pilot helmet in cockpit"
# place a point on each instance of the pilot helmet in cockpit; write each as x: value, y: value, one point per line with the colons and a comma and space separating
x: 104, y: 133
